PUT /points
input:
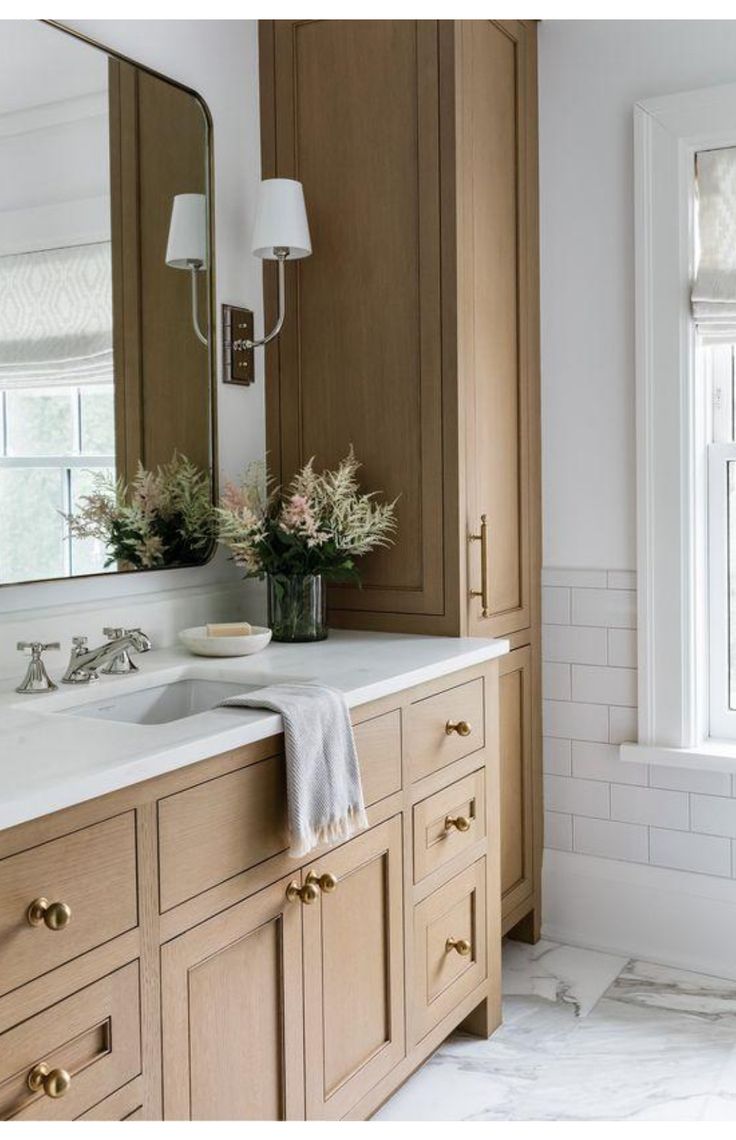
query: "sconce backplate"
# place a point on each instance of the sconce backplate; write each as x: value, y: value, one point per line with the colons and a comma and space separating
x: 238, y: 365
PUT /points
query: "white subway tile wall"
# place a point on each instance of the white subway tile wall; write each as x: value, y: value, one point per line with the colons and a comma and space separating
x: 595, y: 804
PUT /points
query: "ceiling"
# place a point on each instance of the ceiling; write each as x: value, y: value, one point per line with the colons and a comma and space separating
x: 40, y: 65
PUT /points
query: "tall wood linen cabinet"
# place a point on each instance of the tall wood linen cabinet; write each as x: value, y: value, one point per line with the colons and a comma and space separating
x: 413, y: 334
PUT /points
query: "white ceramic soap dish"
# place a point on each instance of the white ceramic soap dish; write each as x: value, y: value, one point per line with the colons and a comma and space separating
x: 197, y: 641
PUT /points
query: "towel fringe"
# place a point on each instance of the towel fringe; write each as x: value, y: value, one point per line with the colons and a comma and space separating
x: 332, y: 831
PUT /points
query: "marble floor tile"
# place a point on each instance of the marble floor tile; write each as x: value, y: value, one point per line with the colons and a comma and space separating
x: 559, y: 973
x: 587, y: 1036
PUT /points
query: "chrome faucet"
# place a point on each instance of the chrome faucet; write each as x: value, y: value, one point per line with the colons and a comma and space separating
x: 112, y: 657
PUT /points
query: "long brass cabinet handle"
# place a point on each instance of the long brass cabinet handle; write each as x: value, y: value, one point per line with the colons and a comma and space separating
x: 461, y: 946
x: 51, y: 1082
x: 461, y: 727
x: 483, y: 592
x: 53, y: 915
x: 458, y: 822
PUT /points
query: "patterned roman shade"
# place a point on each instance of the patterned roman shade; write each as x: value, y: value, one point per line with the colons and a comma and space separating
x: 714, y: 288
x: 56, y: 317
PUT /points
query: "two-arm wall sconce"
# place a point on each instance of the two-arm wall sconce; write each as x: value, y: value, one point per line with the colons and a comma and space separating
x: 281, y: 234
x: 187, y: 245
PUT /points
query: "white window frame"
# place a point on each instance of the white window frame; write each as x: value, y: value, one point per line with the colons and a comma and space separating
x: 673, y: 419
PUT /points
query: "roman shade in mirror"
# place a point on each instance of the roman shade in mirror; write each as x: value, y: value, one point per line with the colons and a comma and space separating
x: 714, y: 287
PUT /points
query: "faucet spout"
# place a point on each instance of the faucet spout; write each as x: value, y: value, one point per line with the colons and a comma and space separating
x: 111, y: 657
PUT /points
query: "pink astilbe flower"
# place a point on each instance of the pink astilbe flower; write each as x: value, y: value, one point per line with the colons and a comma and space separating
x: 298, y: 517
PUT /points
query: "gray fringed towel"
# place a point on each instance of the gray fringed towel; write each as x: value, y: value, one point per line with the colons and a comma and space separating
x: 323, y: 789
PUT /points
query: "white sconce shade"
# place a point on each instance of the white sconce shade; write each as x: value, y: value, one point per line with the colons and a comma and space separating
x: 187, y: 245
x: 281, y: 220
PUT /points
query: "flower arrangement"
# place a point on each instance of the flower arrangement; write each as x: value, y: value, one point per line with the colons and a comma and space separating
x: 164, y: 518
x: 319, y: 525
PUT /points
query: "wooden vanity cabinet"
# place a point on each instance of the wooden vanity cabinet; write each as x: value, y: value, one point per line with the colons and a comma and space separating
x: 413, y: 330
x: 232, y: 1014
x: 237, y: 982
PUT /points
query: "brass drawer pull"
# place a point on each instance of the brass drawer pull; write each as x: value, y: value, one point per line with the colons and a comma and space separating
x: 459, y: 945
x: 483, y: 592
x: 307, y: 894
x: 51, y: 1082
x: 459, y: 822
x: 326, y: 882
x: 461, y: 727
x: 54, y: 915
x: 314, y: 885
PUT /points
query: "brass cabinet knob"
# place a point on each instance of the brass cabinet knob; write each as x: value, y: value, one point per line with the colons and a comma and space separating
x: 307, y: 894
x: 461, y: 727
x: 458, y: 822
x: 54, y: 915
x: 460, y: 945
x: 326, y: 882
x: 52, y: 1082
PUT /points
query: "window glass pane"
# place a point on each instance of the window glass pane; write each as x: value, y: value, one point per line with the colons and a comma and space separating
x: 88, y: 554
x: 41, y: 421
x: 32, y: 528
x: 98, y: 420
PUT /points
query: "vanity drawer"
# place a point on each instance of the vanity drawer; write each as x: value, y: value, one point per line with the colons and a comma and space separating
x: 378, y: 742
x: 217, y: 829
x: 447, y: 823
x: 125, y: 1104
x: 93, y: 872
x: 442, y: 976
x: 445, y: 727
x: 92, y: 1038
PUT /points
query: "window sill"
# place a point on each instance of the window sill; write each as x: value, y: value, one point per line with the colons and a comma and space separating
x: 711, y: 755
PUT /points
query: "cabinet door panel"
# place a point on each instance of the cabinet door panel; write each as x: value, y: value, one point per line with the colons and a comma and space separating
x: 354, y: 972
x: 232, y: 1014
x: 517, y: 819
x: 497, y: 312
x: 351, y: 108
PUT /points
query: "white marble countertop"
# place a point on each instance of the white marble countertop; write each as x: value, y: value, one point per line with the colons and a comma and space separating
x: 51, y: 758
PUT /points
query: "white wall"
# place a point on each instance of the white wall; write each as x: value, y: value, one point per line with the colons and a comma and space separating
x: 219, y: 59
x: 639, y: 859
x: 590, y: 75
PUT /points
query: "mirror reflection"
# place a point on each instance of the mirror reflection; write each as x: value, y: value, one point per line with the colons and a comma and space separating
x: 105, y: 300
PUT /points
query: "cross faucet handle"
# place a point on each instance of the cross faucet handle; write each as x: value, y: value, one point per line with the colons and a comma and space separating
x: 37, y: 647
x: 36, y: 679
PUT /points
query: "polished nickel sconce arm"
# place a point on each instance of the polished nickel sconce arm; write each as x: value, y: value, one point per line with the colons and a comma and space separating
x: 196, y: 267
x: 281, y: 253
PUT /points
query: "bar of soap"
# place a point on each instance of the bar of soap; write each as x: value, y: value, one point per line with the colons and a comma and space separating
x: 229, y: 629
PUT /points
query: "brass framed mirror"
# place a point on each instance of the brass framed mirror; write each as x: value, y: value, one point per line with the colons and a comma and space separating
x: 107, y: 346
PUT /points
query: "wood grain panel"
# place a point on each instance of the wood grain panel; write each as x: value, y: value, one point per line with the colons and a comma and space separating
x: 378, y: 742
x: 232, y: 1014
x: 93, y: 871
x: 219, y: 828
x: 516, y: 778
x: 125, y: 1104
x: 428, y: 744
x: 494, y: 309
x: 94, y: 1035
x: 353, y: 112
x: 353, y: 969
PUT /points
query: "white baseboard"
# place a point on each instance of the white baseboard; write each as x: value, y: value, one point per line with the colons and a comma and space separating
x: 672, y: 917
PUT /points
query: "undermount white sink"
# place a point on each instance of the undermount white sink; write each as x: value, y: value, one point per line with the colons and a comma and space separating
x: 163, y: 703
